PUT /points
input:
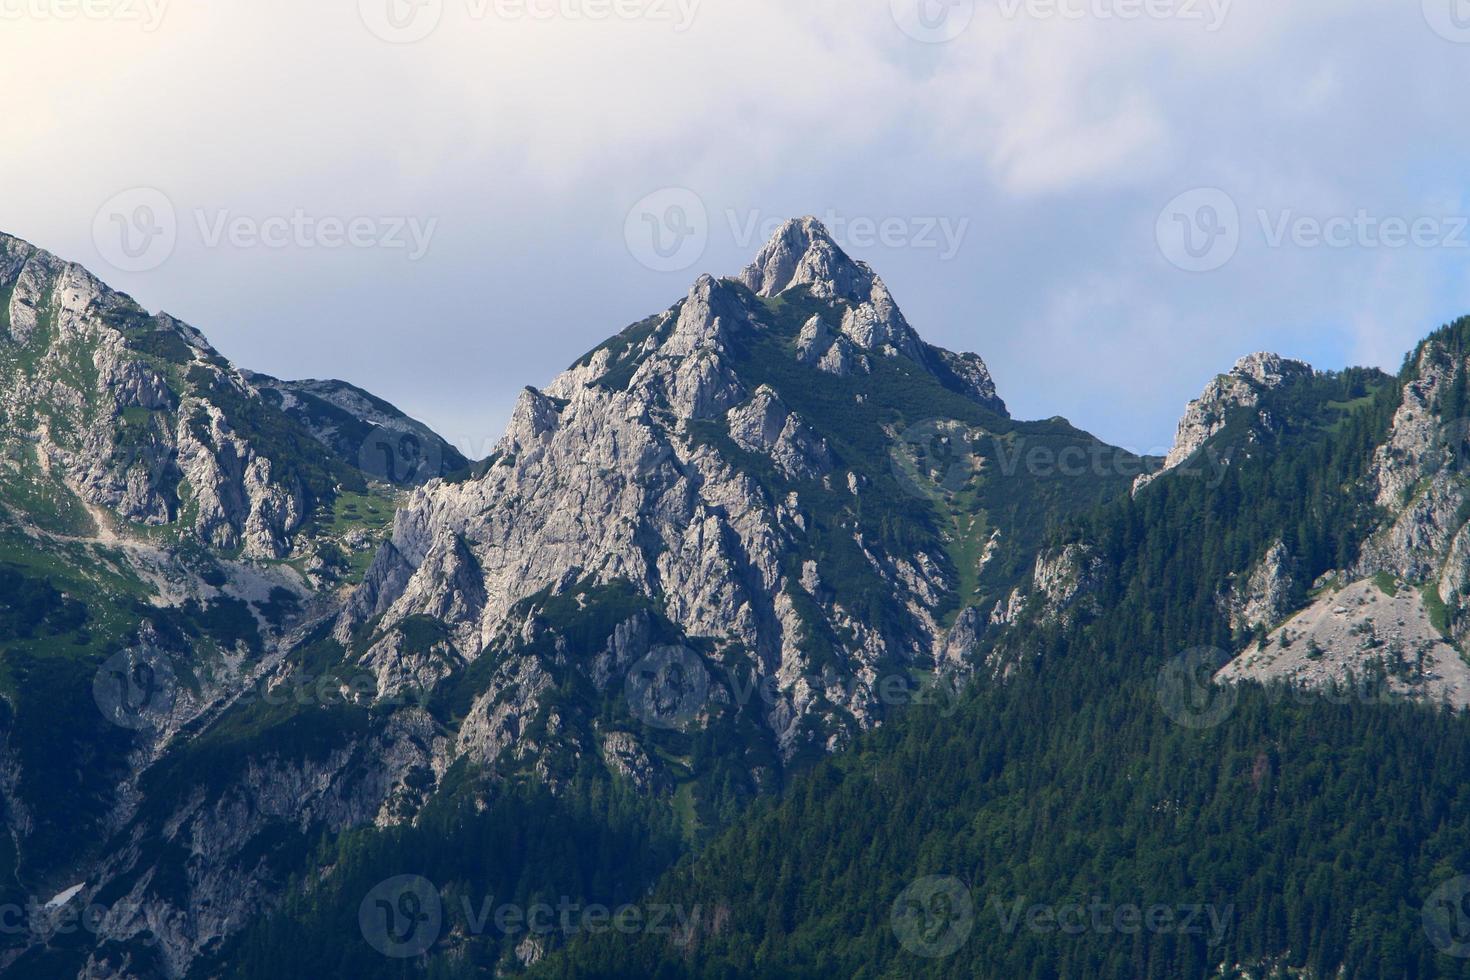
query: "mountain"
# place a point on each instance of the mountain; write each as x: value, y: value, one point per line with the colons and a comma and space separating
x: 780, y: 464
x: 1303, y: 815
x: 764, y: 614
x: 721, y: 545
x: 1399, y: 607
x: 1223, y: 399
x: 138, y: 415
x: 159, y: 508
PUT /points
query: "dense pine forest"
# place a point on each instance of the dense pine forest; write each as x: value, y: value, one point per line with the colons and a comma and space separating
x: 1078, y: 819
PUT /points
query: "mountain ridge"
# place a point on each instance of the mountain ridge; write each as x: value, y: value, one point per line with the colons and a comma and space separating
x: 733, y: 540
x: 762, y: 523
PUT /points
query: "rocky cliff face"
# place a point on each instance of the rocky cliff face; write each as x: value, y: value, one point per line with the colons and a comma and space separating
x: 637, y: 464
x: 194, y: 518
x: 362, y: 429
x: 764, y: 512
x: 1419, y: 478
x: 1265, y: 595
x: 1396, y: 611
x: 119, y: 405
x: 1368, y: 640
x: 1239, y: 389
x: 137, y: 415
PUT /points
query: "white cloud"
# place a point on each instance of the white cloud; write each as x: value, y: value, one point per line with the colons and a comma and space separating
x: 1058, y: 140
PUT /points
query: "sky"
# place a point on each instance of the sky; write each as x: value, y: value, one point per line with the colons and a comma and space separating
x: 445, y: 200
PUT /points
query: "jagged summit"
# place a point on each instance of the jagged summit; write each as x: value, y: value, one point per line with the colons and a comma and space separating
x: 1240, y: 387
x: 750, y: 461
x: 1267, y: 368
x: 136, y: 414
x: 803, y: 253
x: 846, y: 317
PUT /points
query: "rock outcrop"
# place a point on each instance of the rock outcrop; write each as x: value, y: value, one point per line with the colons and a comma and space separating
x: 1364, y: 643
x: 1264, y: 596
x: 138, y: 415
x: 698, y: 523
x: 1240, y: 388
x: 607, y: 480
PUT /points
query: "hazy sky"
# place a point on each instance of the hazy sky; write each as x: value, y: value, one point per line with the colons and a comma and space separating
x: 444, y: 200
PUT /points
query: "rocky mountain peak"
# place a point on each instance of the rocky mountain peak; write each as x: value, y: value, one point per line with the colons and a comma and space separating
x: 686, y: 459
x: 1241, y: 387
x: 1271, y: 370
x: 130, y: 416
x: 803, y: 253
x: 709, y: 310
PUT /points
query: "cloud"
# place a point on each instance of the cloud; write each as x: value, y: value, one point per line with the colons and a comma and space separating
x: 1054, y: 137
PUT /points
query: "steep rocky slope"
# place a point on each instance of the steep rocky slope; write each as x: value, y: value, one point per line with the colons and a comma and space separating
x: 141, y: 421
x: 168, y: 524
x: 722, y: 543
x: 1419, y: 551
x: 770, y: 495
x: 1238, y: 390
x: 1390, y: 617
x: 1317, y: 544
